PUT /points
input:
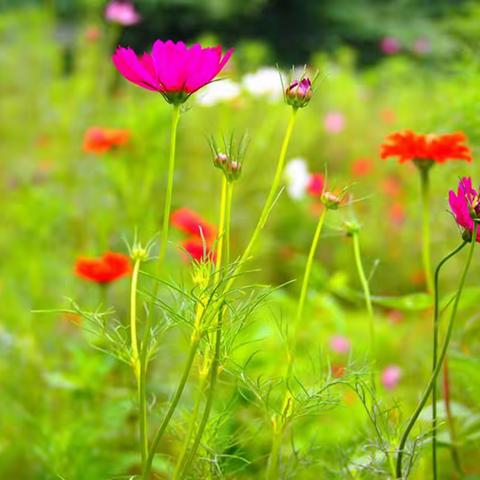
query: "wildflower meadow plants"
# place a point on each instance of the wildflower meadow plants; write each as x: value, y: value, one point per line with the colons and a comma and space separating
x: 245, y: 268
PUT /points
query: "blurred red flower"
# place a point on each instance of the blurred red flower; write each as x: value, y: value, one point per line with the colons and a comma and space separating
x: 202, y: 234
x: 315, y: 185
x: 408, y: 146
x: 397, y: 213
x: 101, y: 140
x: 105, y: 269
x: 362, y: 167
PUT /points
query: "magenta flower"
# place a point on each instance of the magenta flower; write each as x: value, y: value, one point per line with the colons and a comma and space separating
x: 122, y: 12
x: 340, y: 344
x: 172, y: 69
x: 391, y: 376
x: 465, y: 205
x: 390, y: 45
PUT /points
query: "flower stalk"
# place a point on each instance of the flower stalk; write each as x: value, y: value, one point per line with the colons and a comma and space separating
x: 443, y: 352
x: 424, y: 169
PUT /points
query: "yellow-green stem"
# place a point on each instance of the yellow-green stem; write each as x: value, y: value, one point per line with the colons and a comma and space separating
x: 425, y: 193
x: 272, y: 195
x: 366, y: 290
x: 228, y: 221
x: 221, y: 229
x: 171, y: 170
x: 443, y: 352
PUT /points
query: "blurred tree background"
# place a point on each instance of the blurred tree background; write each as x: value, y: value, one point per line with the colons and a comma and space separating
x: 288, y: 31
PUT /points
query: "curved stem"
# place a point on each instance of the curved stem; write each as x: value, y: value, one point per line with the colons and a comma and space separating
x: 272, y: 195
x: 171, y: 170
x: 195, y: 341
x: 425, y: 193
x: 435, y: 355
x: 366, y: 289
x: 443, y: 352
x: 210, y: 393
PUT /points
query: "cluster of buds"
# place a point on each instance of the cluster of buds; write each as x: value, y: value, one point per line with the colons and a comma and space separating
x: 140, y: 252
x: 229, y: 159
x: 299, y: 91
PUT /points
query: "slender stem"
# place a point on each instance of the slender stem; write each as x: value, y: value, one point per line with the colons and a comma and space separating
x: 195, y: 341
x: 425, y: 193
x: 133, y: 318
x: 210, y: 393
x: 366, y: 289
x: 221, y: 229
x: 272, y: 195
x: 443, y: 352
x: 228, y: 221
x: 137, y: 364
x: 291, y: 344
x: 273, y: 459
x: 171, y: 171
x: 435, y: 354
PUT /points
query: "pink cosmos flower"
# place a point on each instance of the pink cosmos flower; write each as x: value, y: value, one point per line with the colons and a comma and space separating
x: 334, y: 122
x: 391, y: 375
x: 122, y: 12
x: 299, y: 93
x: 465, y: 205
x: 172, y: 69
x: 421, y: 46
x: 340, y: 344
x: 390, y: 45
x: 316, y: 184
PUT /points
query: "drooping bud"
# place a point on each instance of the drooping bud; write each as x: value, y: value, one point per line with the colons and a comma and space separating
x: 299, y: 93
x: 352, y: 227
x: 330, y: 200
x: 230, y: 159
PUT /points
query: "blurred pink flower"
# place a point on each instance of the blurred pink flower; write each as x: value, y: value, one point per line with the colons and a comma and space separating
x: 316, y: 184
x: 390, y: 45
x: 340, y: 344
x: 391, y: 376
x: 172, y: 69
x: 421, y: 46
x: 122, y: 12
x: 334, y: 122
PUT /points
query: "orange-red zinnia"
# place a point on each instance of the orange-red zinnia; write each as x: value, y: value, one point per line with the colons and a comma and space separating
x: 102, y: 140
x: 105, y: 269
x: 409, y: 146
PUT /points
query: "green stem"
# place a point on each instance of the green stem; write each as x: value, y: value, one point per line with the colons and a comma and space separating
x: 425, y: 193
x: 366, y: 289
x: 171, y: 170
x: 195, y: 341
x: 272, y: 195
x: 303, y: 292
x: 274, y: 457
x: 139, y: 371
x: 221, y: 229
x: 443, y: 352
x: 228, y: 221
x: 210, y: 393
x: 436, y: 314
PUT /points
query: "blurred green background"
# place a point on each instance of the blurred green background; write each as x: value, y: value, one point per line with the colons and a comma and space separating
x: 67, y: 411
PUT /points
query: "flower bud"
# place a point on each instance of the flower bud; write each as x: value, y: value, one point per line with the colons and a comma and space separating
x: 330, y: 200
x: 299, y: 93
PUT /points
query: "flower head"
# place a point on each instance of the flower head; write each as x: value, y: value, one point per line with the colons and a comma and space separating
x: 299, y: 93
x: 201, y: 234
x: 340, y: 344
x: 465, y: 206
x: 362, y: 167
x: 409, y: 146
x: 391, y: 375
x: 172, y: 69
x: 217, y: 92
x: 122, y: 12
x: 105, y: 269
x: 101, y: 140
x: 265, y: 82
x: 390, y: 45
x: 334, y: 122
x: 297, y: 178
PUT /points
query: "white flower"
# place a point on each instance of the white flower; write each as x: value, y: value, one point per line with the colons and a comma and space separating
x: 219, y: 91
x: 297, y: 177
x: 265, y: 82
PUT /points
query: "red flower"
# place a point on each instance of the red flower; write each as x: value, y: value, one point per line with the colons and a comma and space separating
x: 102, y: 140
x: 362, y: 167
x: 409, y: 146
x: 109, y: 267
x: 202, y: 234
x: 316, y: 184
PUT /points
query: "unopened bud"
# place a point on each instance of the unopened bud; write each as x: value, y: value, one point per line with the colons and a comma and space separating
x: 299, y: 93
x: 330, y: 200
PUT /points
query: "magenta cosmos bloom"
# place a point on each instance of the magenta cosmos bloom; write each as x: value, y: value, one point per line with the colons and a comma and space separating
x: 465, y: 205
x: 172, y: 69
